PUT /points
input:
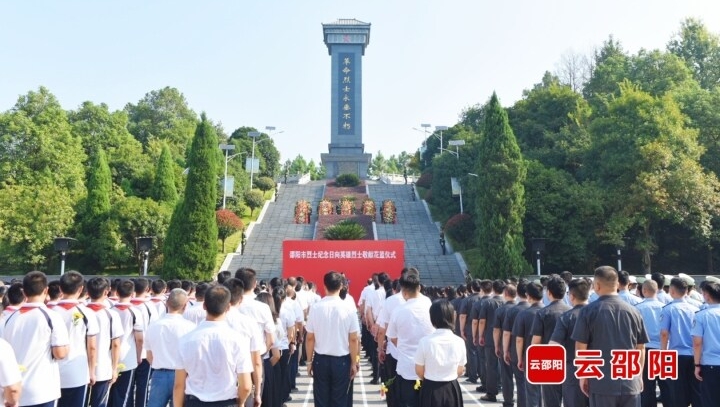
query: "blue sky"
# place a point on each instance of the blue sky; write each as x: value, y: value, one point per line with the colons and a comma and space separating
x: 263, y: 63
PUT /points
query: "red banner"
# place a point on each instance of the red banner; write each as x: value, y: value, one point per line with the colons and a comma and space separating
x: 358, y: 259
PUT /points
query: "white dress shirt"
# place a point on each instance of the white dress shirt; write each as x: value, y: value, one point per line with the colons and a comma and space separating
x: 441, y: 352
x: 259, y: 312
x: 408, y: 324
x: 9, y: 372
x: 110, y: 328
x: 195, y: 313
x: 163, y: 337
x: 213, y: 355
x: 247, y: 327
x: 74, y: 367
x: 391, y: 304
x: 331, y: 322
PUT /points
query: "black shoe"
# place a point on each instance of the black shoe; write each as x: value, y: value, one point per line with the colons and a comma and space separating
x: 294, y: 389
x: 473, y: 381
x: 374, y: 381
x: 288, y: 399
x: 490, y: 398
x: 481, y: 389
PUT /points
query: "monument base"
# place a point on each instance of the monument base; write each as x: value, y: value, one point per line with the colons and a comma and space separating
x: 336, y: 164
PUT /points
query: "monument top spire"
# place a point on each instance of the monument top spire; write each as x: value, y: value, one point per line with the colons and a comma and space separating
x: 346, y: 31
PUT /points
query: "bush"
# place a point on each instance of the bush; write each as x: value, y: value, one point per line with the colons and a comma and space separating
x: 461, y: 228
x: 264, y: 183
x: 345, y: 230
x: 425, y: 180
x: 347, y: 180
x: 228, y: 223
x: 254, y: 199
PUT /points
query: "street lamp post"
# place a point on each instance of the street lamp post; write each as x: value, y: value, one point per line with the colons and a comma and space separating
x: 62, y: 246
x: 254, y: 135
x: 538, y: 246
x: 144, y: 244
x: 441, y: 129
x: 227, y: 148
x: 457, y: 144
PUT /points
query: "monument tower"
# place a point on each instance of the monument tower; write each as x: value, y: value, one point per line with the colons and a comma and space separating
x: 346, y: 40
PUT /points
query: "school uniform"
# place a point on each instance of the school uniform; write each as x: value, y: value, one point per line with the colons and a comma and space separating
x: 32, y: 331
x: 195, y: 313
x: 162, y: 338
x: 81, y: 324
x: 391, y: 304
x: 121, y: 392
x: 286, y: 320
x: 408, y: 324
x: 150, y: 314
x: 9, y: 372
x: 109, y: 328
x: 331, y: 322
x: 441, y: 353
x: 208, y: 382
x: 611, y: 324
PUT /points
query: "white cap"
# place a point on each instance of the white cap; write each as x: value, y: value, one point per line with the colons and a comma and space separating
x: 633, y: 280
x: 648, y: 277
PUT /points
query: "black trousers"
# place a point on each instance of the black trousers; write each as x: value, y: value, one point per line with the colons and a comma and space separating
x: 508, y: 385
x: 571, y: 393
x: 331, y: 380
x: 710, y: 386
x: 390, y: 372
x: 492, y: 371
x: 192, y: 401
x: 686, y: 389
x: 602, y: 400
x: 520, y: 384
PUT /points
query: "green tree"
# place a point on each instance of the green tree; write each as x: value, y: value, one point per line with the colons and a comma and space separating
x: 378, y: 165
x: 264, y: 183
x: 254, y: 199
x: 298, y: 166
x: 99, y: 187
x: 647, y: 160
x: 31, y: 216
x: 191, y: 245
x: 163, y: 189
x: 500, y: 203
x: 700, y: 49
x: 98, y: 128
x: 163, y: 115
x: 37, y: 146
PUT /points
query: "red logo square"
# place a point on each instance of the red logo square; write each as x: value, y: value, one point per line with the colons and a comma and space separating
x: 545, y: 364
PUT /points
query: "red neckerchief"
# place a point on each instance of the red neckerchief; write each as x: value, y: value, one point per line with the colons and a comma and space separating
x: 66, y: 305
x: 11, y: 308
x: 137, y: 301
x: 26, y: 308
x: 95, y: 306
x: 123, y: 306
x: 156, y: 300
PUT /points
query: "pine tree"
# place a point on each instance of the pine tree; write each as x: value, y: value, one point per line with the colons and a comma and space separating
x: 500, y: 202
x: 99, y: 186
x: 191, y: 243
x: 163, y: 189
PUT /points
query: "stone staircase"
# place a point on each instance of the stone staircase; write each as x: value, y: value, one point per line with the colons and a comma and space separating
x: 421, y: 235
x: 263, y: 251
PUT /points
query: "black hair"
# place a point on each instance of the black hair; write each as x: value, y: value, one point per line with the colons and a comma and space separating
x: 236, y: 288
x: 200, y: 291
x: 173, y: 284
x: 187, y: 285
x: 248, y: 276
x: 522, y: 288
x: 223, y: 276
x: 498, y: 286
x: 623, y: 278
x: 510, y: 290
x: 71, y: 282
x: 14, y: 294
x: 567, y: 276
x: 679, y: 285
x: 34, y: 283
x: 158, y: 286
x: 534, y: 291
x: 125, y: 288
x: 54, y: 290
x: 97, y: 287
x: 580, y: 288
x: 333, y: 281
x: 410, y: 280
x: 713, y: 291
x: 442, y: 314
x: 217, y: 300
x: 556, y: 286
x: 486, y: 286
x: 266, y: 298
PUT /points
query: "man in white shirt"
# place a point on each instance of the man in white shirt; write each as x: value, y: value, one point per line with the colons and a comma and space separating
x: 291, y: 302
x: 332, y: 345
x: 258, y: 312
x: 161, y: 342
x: 202, y: 380
x: 373, y: 304
x: 10, y: 378
x: 108, y: 341
x: 408, y: 324
x: 159, y: 288
x: 249, y: 329
x: 150, y: 314
x: 131, y: 345
x: 195, y: 313
x: 39, y: 338
x: 77, y: 370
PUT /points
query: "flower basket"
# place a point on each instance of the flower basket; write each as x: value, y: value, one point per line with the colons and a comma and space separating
x: 347, y: 207
x: 389, y: 211
x: 302, y: 212
x: 368, y: 208
x: 325, y: 207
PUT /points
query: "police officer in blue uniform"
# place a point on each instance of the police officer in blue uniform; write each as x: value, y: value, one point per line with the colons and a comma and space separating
x: 706, y: 345
x: 650, y: 309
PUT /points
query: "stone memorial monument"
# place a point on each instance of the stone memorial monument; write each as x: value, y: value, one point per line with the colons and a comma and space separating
x: 346, y: 40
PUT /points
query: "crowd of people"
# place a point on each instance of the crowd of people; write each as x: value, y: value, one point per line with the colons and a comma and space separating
x: 238, y: 341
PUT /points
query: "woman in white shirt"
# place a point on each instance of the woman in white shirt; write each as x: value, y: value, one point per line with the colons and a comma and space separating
x: 270, y: 384
x: 440, y: 359
x: 286, y: 335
